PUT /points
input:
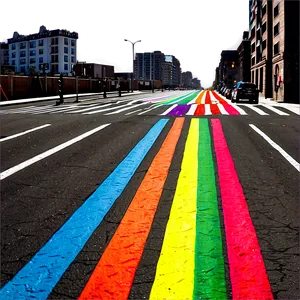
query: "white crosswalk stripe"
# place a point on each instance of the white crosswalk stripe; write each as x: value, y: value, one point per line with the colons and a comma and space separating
x: 256, y: 109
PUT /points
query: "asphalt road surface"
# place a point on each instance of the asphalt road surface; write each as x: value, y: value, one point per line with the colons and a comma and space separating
x: 173, y: 195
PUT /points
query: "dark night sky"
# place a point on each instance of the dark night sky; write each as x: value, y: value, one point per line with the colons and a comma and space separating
x: 195, y: 31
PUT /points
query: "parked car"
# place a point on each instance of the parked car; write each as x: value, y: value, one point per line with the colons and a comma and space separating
x: 227, y: 93
x: 245, y: 91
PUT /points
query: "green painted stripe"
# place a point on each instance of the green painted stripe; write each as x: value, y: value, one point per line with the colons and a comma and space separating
x: 209, y: 280
x: 172, y: 100
x: 188, y: 99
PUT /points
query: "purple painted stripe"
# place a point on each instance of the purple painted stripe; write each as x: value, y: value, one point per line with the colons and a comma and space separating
x: 179, y: 110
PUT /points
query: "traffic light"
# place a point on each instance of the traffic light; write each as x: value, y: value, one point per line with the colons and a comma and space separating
x: 232, y: 65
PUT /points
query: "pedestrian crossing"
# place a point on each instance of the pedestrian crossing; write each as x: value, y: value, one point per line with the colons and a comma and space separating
x: 191, y: 103
x: 135, y: 108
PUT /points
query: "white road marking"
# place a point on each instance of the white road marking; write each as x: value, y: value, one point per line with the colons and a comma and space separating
x: 156, y: 106
x: 126, y: 108
x: 49, y: 152
x: 256, y: 109
x: 292, y: 161
x: 240, y: 110
x: 132, y: 112
x: 279, y: 112
x: 222, y: 109
x: 207, y: 109
x: 91, y: 107
x: 293, y: 109
x: 24, y: 132
x: 194, y: 100
x: 168, y: 110
x: 192, y: 110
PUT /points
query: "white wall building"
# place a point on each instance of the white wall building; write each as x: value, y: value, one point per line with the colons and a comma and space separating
x: 53, y: 49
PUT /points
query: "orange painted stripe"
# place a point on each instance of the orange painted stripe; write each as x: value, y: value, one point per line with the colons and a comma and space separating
x: 198, y: 100
x: 200, y: 110
x: 215, y: 109
x: 207, y: 98
x: 220, y: 99
x: 114, y: 273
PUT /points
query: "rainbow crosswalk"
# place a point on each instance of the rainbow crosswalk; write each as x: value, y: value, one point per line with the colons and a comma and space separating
x: 191, y: 260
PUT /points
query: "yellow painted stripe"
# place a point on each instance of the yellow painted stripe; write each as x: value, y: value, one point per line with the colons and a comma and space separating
x: 174, y: 277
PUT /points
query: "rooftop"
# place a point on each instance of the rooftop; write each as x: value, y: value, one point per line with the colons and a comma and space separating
x: 42, y: 34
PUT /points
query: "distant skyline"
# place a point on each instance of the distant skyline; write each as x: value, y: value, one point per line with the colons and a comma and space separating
x: 187, y: 31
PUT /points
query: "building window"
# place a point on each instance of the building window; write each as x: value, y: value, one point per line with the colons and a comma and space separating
x: 66, y: 41
x: 41, y: 42
x: 22, y: 61
x: 13, y: 46
x: 276, y: 29
x: 41, y: 60
x: 253, y: 61
x: 264, y: 44
x: 66, y: 67
x: 54, y: 68
x: 66, y: 58
x: 22, y: 69
x: 13, y: 62
x: 41, y: 51
x: 264, y: 27
x: 264, y: 10
x: 54, y: 41
x: 253, y: 47
x: 72, y: 51
x: 32, y: 44
x: 22, y: 53
x: 276, y: 10
x: 54, y: 49
x: 32, y: 53
x: 72, y: 59
x: 13, y: 55
x: 23, y: 45
x: 66, y: 50
x: 54, y: 58
x: 32, y: 60
x: 73, y: 43
x: 276, y: 48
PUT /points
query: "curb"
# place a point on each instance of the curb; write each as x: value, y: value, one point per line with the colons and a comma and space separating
x: 41, y: 99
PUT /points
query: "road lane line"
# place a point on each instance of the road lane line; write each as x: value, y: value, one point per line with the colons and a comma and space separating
x: 91, y: 107
x: 24, y: 132
x: 292, y: 161
x: 209, y: 278
x: 168, y: 110
x: 121, y: 257
x: 294, y: 109
x: 223, y: 111
x: 40, y: 275
x: 174, y: 278
x: 249, y: 279
x: 207, y: 109
x: 43, y: 155
x: 277, y: 111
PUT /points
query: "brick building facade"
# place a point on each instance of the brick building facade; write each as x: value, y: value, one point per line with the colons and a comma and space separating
x: 274, y: 46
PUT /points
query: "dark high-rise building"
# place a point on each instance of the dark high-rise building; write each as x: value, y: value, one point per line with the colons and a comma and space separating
x: 245, y: 58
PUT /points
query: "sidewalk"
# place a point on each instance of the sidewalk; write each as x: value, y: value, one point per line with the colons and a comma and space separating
x: 270, y: 101
x: 40, y: 99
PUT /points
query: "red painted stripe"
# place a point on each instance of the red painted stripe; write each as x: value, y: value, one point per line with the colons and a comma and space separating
x: 207, y: 98
x: 248, y: 275
x: 230, y: 109
x: 200, y: 110
x: 114, y: 273
x: 220, y: 99
x: 215, y: 109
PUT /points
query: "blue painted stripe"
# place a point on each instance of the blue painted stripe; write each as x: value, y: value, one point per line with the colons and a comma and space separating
x: 40, y: 275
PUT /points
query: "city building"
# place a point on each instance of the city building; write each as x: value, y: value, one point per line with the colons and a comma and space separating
x: 187, y: 78
x: 245, y: 58
x: 5, y: 68
x: 50, y: 51
x: 274, y: 36
x: 93, y: 70
x: 229, y: 68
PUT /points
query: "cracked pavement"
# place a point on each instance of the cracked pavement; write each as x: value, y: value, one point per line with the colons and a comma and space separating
x: 38, y: 200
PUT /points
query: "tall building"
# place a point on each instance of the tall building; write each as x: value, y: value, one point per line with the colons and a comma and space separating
x: 94, y: 70
x: 4, y: 54
x: 51, y: 51
x: 245, y: 58
x: 187, y: 79
x: 274, y: 36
